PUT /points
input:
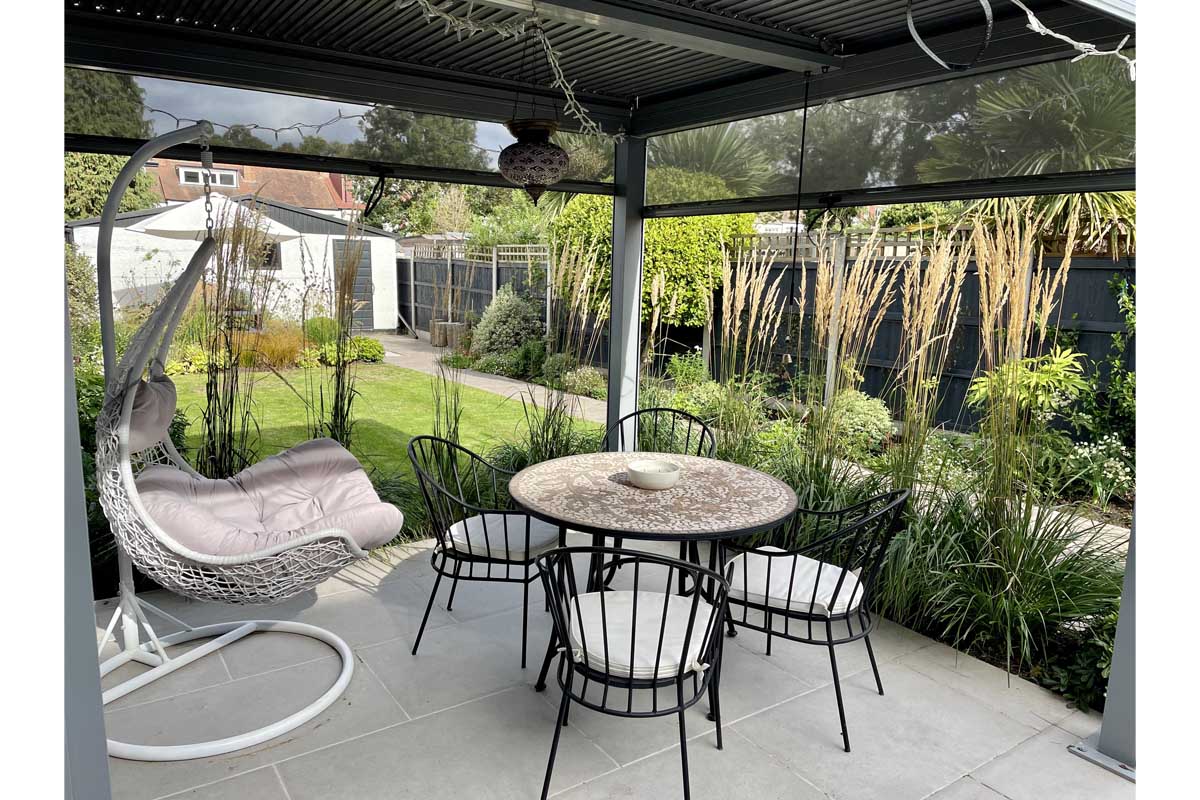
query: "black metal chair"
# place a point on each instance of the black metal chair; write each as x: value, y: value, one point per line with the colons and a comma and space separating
x: 662, y: 430
x: 814, y: 575
x: 480, y: 534
x: 641, y: 640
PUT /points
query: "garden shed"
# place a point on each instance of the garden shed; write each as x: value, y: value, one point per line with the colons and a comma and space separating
x: 145, y: 264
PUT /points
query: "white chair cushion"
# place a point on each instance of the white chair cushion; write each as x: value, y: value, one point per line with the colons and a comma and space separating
x: 484, y: 535
x: 750, y: 584
x: 641, y: 641
x: 315, y: 486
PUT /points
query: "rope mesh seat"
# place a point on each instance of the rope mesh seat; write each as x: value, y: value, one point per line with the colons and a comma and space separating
x: 312, y: 483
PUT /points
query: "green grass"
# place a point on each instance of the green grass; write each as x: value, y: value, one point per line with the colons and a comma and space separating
x: 394, y: 405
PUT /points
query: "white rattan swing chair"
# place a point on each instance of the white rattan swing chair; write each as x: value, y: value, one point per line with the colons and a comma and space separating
x: 124, y: 451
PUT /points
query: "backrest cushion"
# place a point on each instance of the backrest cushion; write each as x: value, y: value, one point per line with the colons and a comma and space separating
x: 153, y: 410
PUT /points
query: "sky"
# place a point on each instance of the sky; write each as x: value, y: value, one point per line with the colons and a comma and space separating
x: 242, y: 106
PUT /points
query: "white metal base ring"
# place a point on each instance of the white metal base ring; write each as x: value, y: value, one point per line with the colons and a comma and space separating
x: 225, y: 633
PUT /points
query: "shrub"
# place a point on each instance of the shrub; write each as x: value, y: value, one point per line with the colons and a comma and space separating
x: 530, y: 357
x: 1079, y: 662
x: 329, y: 352
x: 555, y: 367
x: 508, y: 322
x: 309, y: 358
x: 686, y: 250
x: 586, y: 381
x: 191, y: 359
x: 688, y: 369
x: 863, y: 423
x: 321, y: 330
x: 504, y: 364
x: 279, y: 345
x: 369, y: 350
x: 456, y: 359
x: 1100, y: 470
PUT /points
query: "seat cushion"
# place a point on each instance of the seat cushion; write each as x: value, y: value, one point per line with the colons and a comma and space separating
x: 750, y: 584
x: 633, y: 646
x: 315, y: 486
x: 484, y: 535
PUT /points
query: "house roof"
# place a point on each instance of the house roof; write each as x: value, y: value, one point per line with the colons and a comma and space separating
x: 320, y: 223
x: 318, y: 190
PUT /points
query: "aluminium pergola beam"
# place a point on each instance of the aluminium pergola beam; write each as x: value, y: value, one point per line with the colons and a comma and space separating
x: 117, y: 146
x: 689, y: 29
x: 901, y: 66
x: 1109, y: 180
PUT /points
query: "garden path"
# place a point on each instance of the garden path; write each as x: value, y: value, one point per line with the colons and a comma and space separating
x: 420, y: 355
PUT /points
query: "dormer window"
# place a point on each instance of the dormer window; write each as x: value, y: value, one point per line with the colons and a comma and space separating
x: 194, y: 176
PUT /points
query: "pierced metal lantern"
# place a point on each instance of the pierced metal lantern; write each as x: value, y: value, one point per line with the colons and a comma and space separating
x: 533, y: 162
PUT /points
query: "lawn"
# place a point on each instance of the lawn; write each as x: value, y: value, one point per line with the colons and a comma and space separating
x: 394, y: 405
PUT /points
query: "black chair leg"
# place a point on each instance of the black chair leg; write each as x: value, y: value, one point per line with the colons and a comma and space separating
x: 428, y: 607
x: 837, y: 688
x: 562, y: 718
x: 874, y: 666
x: 454, y: 586
x: 769, y: 626
x: 525, y: 616
x: 687, y: 784
x: 540, y: 686
x: 714, y: 703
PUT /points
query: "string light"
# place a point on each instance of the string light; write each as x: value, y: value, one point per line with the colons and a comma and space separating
x: 1085, y: 49
x: 468, y: 26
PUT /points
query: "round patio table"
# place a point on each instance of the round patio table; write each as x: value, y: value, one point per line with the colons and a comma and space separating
x: 713, y: 499
x: 591, y: 493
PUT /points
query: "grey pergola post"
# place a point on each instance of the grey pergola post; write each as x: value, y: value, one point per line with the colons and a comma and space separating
x: 86, y: 754
x: 1114, y: 747
x: 624, y: 327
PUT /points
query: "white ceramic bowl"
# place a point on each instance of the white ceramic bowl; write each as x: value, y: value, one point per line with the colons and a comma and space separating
x: 652, y: 473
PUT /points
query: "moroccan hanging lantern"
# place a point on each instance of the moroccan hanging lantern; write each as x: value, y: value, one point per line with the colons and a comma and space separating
x: 533, y: 162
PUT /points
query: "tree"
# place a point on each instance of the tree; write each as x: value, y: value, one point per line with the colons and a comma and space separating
x: 315, y: 146
x: 685, y: 250
x: 103, y: 104
x: 405, y: 137
x: 1056, y: 117
x: 240, y: 136
x: 726, y: 152
x: 517, y: 221
x: 87, y: 178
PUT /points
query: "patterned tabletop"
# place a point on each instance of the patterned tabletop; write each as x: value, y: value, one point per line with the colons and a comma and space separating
x: 712, y: 499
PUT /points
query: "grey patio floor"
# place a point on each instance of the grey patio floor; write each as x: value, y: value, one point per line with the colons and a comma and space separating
x: 461, y: 719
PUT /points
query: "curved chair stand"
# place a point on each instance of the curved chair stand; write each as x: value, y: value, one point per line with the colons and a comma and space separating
x: 225, y: 633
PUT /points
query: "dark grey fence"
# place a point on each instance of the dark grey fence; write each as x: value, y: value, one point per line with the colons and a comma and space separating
x: 1087, y: 316
x: 453, y: 281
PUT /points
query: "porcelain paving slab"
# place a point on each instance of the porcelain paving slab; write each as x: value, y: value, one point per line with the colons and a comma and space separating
x: 261, y: 784
x: 739, y: 772
x: 1009, y: 694
x: 918, y: 738
x: 457, y: 663
x: 239, y: 706
x: 495, y: 747
x: 1043, y: 767
x: 967, y: 789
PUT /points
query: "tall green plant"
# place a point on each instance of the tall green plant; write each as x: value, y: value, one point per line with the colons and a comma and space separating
x: 236, y: 296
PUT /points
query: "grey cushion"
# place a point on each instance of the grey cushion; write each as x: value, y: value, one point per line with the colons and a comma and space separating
x: 808, y: 593
x: 484, y: 535
x: 315, y: 486
x: 153, y: 410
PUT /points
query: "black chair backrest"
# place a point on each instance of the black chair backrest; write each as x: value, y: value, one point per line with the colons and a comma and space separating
x: 855, y: 539
x: 459, y: 485
x: 653, y: 577
x: 663, y: 430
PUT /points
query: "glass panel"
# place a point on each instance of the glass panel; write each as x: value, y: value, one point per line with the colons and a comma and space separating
x: 114, y: 104
x: 1043, y: 119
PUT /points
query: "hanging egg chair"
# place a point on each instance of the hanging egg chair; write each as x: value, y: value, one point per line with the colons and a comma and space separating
x: 272, y: 531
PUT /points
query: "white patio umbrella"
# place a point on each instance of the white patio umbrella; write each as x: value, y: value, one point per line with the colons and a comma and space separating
x: 188, y: 221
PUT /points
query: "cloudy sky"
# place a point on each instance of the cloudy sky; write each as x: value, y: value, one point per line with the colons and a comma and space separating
x: 241, y: 106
